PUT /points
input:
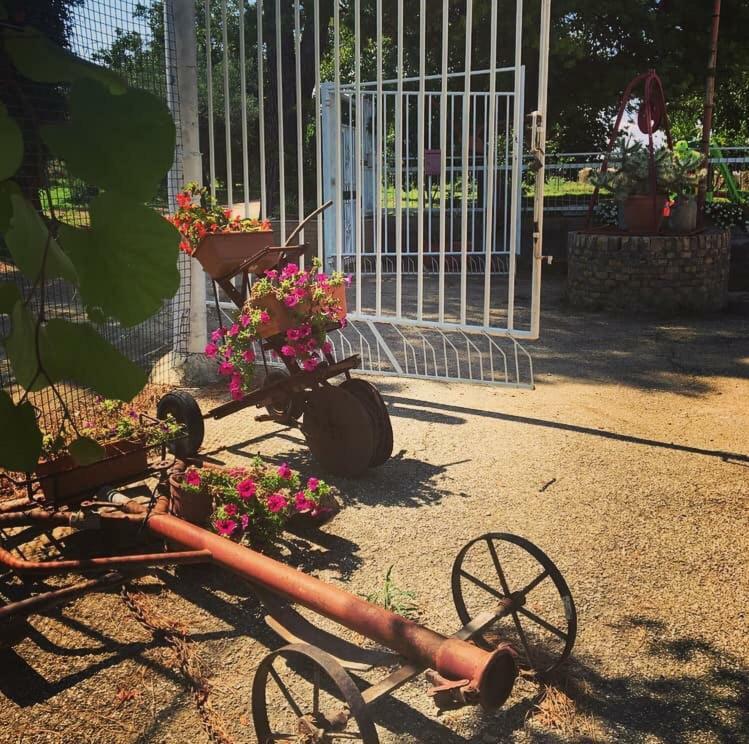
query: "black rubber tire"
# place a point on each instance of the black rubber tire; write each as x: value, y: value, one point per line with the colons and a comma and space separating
x: 370, y: 396
x: 292, y: 409
x: 186, y: 411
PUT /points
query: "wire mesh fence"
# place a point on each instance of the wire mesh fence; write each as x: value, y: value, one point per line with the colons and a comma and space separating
x: 129, y: 37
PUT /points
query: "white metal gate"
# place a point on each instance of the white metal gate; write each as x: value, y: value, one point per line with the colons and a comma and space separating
x: 425, y: 168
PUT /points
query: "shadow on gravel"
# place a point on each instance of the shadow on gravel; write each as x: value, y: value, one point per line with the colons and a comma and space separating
x: 418, y: 409
x: 712, y: 703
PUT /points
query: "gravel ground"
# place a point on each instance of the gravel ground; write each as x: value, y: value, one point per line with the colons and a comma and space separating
x: 628, y: 465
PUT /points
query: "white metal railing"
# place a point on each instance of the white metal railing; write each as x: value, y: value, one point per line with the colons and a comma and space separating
x: 424, y: 167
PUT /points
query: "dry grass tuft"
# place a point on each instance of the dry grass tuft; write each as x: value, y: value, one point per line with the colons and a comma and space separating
x: 556, y: 711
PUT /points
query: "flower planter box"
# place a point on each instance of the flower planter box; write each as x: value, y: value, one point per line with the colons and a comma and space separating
x: 63, y: 477
x: 282, y: 318
x: 640, y: 216
x: 188, y: 505
x: 221, y: 254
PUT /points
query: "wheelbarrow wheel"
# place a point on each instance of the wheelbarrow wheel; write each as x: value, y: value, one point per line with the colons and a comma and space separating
x: 370, y: 396
x: 542, y: 621
x: 285, y: 408
x: 186, y: 411
x: 301, y: 693
x: 339, y: 430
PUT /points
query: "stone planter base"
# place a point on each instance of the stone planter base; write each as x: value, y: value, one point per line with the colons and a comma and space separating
x: 666, y: 273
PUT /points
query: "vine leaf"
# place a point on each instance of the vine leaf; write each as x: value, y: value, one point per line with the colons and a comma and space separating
x: 9, y: 295
x: 20, y: 438
x: 76, y: 352
x: 38, y: 59
x: 126, y: 261
x: 85, y: 450
x: 120, y: 142
x: 11, y: 153
x: 6, y: 207
x: 27, y: 240
x: 21, y: 348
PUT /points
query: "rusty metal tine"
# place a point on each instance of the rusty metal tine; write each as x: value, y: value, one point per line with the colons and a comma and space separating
x: 310, y: 216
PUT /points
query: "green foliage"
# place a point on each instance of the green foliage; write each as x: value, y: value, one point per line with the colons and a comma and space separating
x: 20, y: 438
x: 38, y: 59
x: 393, y: 598
x: 126, y: 240
x: 85, y: 450
x: 120, y: 142
x: 12, y: 151
x: 32, y: 246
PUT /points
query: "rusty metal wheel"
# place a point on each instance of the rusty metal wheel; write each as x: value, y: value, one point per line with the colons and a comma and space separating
x: 285, y: 407
x: 302, y: 694
x: 370, y: 396
x: 542, y: 622
x: 339, y: 430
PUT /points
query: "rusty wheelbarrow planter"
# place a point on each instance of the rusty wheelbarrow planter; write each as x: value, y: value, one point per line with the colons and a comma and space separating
x: 346, y: 426
x: 473, y: 666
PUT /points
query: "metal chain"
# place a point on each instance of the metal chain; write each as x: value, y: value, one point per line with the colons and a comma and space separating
x: 175, y: 635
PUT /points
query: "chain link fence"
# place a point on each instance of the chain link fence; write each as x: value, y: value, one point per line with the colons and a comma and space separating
x: 129, y: 37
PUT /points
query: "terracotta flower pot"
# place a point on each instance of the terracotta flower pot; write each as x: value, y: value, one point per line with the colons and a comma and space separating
x: 282, y: 318
x: 639, y: 214
x: 188, y: 505
x: 63, y: 477
x: 221, y: 254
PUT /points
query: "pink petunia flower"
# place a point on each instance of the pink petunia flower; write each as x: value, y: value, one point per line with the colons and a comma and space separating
x: 293, y: 334
x: 236, y: 394
x: 289, y: 270
x: 276, y: 503
x: 264, y: 317
x: 327, y: 347
x: 211, y: 350
x: 230, y: 509
x: 304, y: 330
x: 302, y: 503
x: 192, y: 477
x: 312, y: 484
x: 234, y: 330
x: 284, y: 470
x: 218, y: 334
x: 310, y: 365
x: 226, y: 369
x: 288, y: 351
x: 347, y: 280
x: 291, y: 300
x: 225, y: 527
x: 244, y: 319
x: 271, y: 274
x: 248, y: 355
x: 311, y: 345
x: 246, y: 489
x: 244, y: 521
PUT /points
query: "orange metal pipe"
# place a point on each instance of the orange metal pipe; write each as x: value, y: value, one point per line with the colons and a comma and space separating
x: 491, y: 674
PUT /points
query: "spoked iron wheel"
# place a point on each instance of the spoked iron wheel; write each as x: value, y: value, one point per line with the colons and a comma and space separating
x: 302, y: 694
x: 339, y: 431
x: 284, y: 408
x: 543, y: 622
x: 370, y: 396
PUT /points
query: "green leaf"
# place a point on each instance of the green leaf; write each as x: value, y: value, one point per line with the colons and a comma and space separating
x: 122, y: 143
x: 20, y: 438
x: 85, y: 450
x: 27, y: 239
x: 6, y: 207
x: 9, y: 295
x: 11, y: 152
x: 21, y: 348
x: 42, y: 61
x: 76, y: 352
x: 126, y: 261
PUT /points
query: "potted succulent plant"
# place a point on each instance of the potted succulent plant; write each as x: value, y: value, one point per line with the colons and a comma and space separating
x: 686, y: 175
x: 628, y: 178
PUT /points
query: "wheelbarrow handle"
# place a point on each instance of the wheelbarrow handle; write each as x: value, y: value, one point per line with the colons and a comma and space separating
x: 301, y: 225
